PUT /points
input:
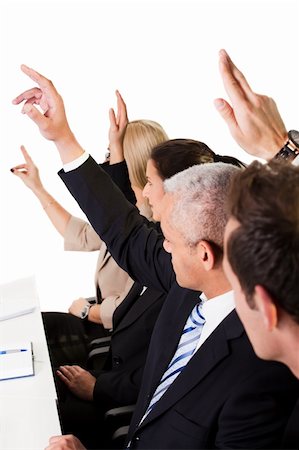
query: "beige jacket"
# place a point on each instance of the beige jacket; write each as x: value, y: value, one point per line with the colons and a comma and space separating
x: 112, y: 283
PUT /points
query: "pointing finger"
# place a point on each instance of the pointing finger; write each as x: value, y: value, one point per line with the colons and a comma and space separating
x: 42, y: 81
x: 26, y: 154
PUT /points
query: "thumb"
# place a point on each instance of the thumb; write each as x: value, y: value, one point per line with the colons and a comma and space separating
x: 226, y: 112
x: 112, y: 118
x: 21, y: 173
x: 35, y: 115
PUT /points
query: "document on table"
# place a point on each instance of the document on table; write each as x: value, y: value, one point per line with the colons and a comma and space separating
x: 16, y: 360
x: 17, y: 298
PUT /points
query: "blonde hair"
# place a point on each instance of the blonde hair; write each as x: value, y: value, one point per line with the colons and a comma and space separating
x: 140, y: 138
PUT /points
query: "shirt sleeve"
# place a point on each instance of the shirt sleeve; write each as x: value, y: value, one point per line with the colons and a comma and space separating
x: 76, y: 162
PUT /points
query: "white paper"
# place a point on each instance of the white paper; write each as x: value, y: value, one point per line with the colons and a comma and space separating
x: 17, y: 362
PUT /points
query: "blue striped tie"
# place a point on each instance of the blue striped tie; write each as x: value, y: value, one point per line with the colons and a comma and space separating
x: 185, y: 349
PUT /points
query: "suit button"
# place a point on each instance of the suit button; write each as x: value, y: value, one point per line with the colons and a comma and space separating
x: 116, y: 360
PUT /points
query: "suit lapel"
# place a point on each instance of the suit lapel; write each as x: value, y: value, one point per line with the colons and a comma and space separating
x: 164, y: 343
x: 126, y: 304
x: 214, y: 349
x: 138, y: 307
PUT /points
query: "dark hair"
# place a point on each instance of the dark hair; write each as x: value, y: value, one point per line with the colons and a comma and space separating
x: 176, y: 155
x: 264, y: 249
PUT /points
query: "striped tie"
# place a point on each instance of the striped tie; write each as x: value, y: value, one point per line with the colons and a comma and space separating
x: 187, y: 345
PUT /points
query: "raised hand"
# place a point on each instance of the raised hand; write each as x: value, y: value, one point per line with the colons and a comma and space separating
x: 52, y: 122
x: 28, y: 172
x: 253, y: 119
x: 118, y: 125
x: 78, y: 380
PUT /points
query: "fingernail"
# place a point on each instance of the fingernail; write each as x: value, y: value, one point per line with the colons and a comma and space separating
x: 26, y: 108
x: 12, y: 170
x: 219, y: 104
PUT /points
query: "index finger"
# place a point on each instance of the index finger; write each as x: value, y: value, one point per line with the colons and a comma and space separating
x: 26, y: 155
x: 122, y: 107
x: 37, y: 77
x: 46, y: 85
x: 234, y: 81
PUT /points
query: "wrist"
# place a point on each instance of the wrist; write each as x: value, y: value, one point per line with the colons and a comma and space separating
x: 69, y: 148
x: 290, y: 148
x: 272, y: 146
x: 94, y: 314
x: 85, y: 311
x: 116, y: 153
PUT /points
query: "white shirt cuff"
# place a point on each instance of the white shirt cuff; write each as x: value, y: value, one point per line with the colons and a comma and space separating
x: 76, y: 162
x: 295, y: 161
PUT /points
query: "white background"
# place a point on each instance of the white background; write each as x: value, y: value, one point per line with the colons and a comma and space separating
x: 163, y: 57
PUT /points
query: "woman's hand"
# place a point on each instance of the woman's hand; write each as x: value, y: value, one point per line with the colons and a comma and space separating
x: 118, y: 125
x: 28, y: 173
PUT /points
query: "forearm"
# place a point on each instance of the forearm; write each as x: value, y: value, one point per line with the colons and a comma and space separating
x: 68, y: 147
x: 135, y: 247
x: 116, y: 153
x: 109, y: 305
x: 55, y: 212
x: 120, y: 175
x: 94, y: 314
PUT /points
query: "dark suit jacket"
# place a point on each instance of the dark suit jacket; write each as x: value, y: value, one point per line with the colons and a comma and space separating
x: 133, y: 322
x: 291, y: 435
x: 226, y: 397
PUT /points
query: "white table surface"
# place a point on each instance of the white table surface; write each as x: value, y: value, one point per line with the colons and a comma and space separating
x: 28, y: 411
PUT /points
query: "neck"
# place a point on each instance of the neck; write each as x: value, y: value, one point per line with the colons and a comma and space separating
x: 217, y: 284
x: 291, y: 343
x: 139, y: 196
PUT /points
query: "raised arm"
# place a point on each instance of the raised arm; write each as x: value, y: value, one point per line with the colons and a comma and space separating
x: 253, y: 119
x: 29, y: 174
x: 136, y: 247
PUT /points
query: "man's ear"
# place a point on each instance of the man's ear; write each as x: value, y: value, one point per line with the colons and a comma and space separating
x: 265, y: 304
x: 206, y: 255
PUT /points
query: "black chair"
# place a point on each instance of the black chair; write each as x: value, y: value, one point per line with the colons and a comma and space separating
x: 117, y: 421
x: 99, y: 349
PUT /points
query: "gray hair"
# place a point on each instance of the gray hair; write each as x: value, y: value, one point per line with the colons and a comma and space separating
x: 200, y: 194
